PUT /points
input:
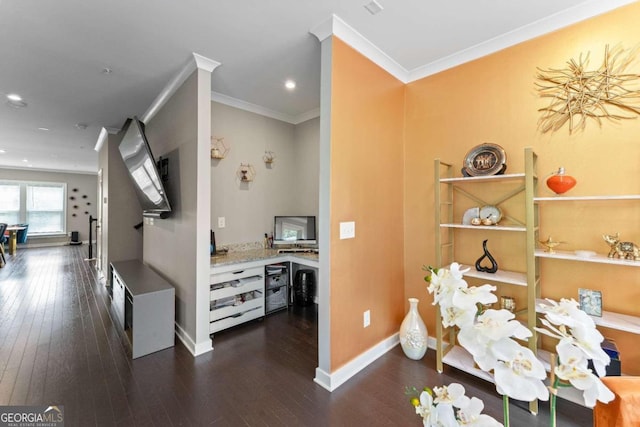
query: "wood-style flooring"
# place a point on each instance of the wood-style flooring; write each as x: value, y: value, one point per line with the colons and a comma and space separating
x: 60, y: 344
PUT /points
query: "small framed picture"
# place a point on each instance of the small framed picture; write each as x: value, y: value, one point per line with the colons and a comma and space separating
x: 590, y: 301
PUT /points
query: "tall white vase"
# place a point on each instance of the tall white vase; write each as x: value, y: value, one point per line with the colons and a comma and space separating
x: 413, y: 333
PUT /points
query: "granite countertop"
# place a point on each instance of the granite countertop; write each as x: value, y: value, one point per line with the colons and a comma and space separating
x: 257, y: 255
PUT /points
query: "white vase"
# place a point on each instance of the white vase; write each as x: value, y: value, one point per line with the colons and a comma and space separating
x: 413, y: 333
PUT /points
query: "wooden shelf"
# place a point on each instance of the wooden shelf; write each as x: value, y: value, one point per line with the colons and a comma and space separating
x: 585, y: 198
x: 506, y: 177
x: 597, y: 258
x: 609, y: 319
x: 502, y: 276
x: 486, y: 227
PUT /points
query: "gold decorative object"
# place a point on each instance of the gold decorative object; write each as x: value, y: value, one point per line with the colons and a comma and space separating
x: 578, y: 94
x: 622, y: 250
x: 550, y: 244
x: 219, y: 149
x: 246, y: 172
x: 269, y: 157
x: 508, y: 303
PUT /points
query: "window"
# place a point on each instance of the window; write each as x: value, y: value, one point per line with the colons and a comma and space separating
x: 39, y: 204
x: 10, y: 206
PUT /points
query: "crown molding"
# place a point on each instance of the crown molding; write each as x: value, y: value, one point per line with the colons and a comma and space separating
x: 337, y: 27
x: 194, y: 62
x: 205, y: 63
x: 334, y: 25
x: 263, y: 111
x: 311, y: 114
x: 535, y: 29
x: 102, y: 138
x: 69, y: 171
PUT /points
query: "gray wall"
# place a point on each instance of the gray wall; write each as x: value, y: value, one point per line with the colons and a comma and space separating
x: 288, y: 186
x: 307, y: 164
x: 178, y: 247
x: 86, y: 184
x: 120, y: 208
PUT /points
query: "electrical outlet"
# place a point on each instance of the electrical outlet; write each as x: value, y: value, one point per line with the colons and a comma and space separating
x: 366, y: 318
x: 222, y: 223
x: 347, y: 230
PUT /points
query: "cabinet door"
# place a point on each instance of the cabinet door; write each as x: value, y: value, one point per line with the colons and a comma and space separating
x: 118, y: 298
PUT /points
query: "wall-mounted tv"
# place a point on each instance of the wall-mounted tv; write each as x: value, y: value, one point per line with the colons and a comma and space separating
x: 294, y: 230
x: 136, y: 153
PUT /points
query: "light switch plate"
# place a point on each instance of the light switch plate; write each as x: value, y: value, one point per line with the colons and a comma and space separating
x: 347, y: 230
x: 222, y: 223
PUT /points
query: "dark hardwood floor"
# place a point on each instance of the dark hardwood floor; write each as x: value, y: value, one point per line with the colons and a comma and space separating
x: 59, y: 345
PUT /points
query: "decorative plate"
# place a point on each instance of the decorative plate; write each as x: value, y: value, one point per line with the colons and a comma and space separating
x: 470, y: 214
x: 485, y: 159
x: 491, y: 212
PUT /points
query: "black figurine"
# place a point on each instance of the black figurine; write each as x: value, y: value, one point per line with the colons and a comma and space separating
x: 494, y: 264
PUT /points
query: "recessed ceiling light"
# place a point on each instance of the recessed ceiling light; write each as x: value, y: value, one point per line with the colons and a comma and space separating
x: 25, y: 160
x: 290, y: 84
x: 373, y: 7
x: 14, y: 97
x: 107, y: 70
x: 43, y: 129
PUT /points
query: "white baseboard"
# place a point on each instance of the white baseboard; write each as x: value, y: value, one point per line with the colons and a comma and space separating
x: 335, y: 379
x: 196, y: 349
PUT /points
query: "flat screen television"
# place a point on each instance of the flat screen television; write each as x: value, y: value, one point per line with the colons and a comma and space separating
x: 136, y: 153
x: 294, y: 230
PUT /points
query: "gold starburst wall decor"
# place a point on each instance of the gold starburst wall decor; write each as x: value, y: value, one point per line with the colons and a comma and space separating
x: 578, y: 95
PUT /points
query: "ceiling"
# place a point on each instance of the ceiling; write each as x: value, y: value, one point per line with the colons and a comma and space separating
x: 54, y: 53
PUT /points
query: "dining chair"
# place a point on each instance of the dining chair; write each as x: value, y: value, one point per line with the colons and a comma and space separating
x: 3, y: 240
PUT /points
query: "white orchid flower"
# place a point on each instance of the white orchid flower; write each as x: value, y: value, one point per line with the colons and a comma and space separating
x: 469, y: 414
x: 573, y: 368
x: 446, y: 397
x: 426, y: 409
x: 457, y: 271
x: 589, y: 341
x: 567, y: 313
x: 452, y: 316
x: 491, y: 327
x: 495, y: 325
x: 585, y: 337
x: 468, y: 298
x: 519, y: 374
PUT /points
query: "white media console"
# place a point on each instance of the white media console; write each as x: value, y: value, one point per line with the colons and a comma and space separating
x: 144, y: 304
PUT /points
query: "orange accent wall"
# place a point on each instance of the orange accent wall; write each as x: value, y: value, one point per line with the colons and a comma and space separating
x: 493, y: 99
x: 367, y: 120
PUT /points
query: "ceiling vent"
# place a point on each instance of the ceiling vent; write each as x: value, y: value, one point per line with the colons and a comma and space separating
x: 373, y: 7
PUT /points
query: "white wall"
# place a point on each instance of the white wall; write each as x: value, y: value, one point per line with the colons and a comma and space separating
x: 289, y: 186
x: 86, y: 184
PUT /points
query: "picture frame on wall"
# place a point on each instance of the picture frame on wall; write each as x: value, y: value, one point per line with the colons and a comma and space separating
x: 590, y: 301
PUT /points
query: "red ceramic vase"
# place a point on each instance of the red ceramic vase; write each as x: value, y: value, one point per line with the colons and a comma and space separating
x: 560, y: 183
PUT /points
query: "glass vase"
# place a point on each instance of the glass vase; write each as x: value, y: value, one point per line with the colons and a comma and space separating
x: 413, y: 333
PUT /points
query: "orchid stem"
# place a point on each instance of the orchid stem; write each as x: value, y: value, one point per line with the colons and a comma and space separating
x: 552, y: 411
x: 505, y: 409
